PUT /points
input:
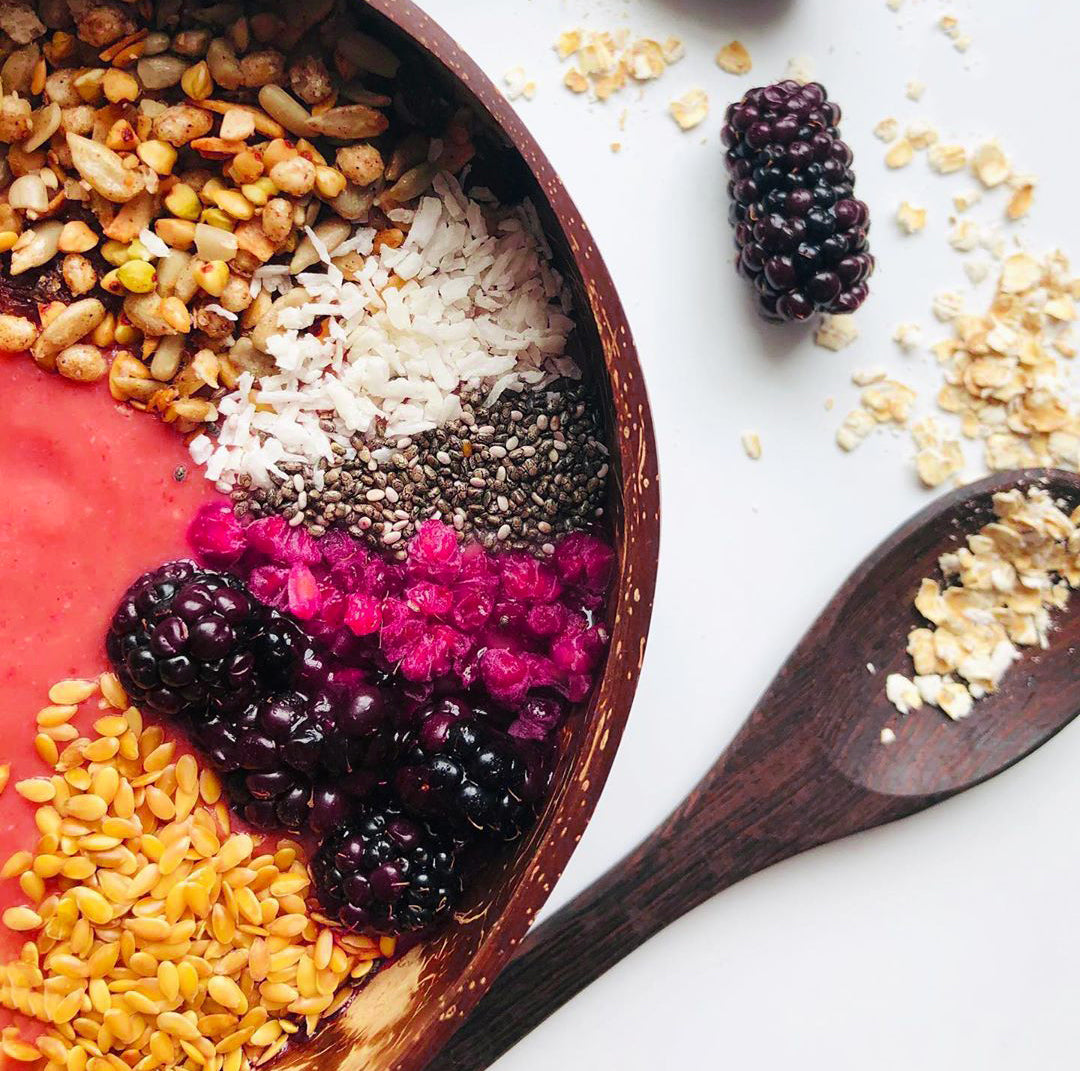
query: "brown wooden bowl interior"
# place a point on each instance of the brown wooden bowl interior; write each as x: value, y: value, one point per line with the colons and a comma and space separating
x: 406, y: 1013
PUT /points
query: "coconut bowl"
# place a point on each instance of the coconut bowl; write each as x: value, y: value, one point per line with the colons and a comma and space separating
x: 407, y: 1012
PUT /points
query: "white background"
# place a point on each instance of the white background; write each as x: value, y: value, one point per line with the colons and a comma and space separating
x: 950, y: 940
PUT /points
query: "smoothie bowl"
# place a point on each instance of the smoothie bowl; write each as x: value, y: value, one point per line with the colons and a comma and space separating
x: 332, y: 537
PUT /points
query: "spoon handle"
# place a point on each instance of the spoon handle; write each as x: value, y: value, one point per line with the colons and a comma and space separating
x: 759, y: 804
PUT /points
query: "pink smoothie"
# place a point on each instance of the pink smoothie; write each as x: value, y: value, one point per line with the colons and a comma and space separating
x: 91, y: 501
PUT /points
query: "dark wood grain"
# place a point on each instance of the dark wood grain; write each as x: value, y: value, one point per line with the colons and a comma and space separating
x: 808, y: 767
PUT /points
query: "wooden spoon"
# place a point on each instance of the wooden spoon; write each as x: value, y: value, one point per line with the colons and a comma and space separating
x: 807, y: 767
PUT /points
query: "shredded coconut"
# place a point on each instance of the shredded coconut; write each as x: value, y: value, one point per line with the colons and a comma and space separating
x: 469, y: 301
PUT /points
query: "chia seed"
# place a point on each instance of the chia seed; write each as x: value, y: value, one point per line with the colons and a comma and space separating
x: 477, y: 473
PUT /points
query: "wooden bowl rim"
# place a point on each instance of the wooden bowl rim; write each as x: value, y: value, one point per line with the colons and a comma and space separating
x: 634, y: 438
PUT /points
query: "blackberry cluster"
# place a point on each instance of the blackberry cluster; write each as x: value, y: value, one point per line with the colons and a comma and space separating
x: 298, y: 763
x: 800, y: 231
x: 465, y: 774
x: 186, y: 640
x: 384, y: 871
x: 397, y: 793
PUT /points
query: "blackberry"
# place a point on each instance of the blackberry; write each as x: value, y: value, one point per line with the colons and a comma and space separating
x: 800, y: 232
x: 298, y: 764
x: 186, y: 640
x: 386, y: 872
x: 463, y: 774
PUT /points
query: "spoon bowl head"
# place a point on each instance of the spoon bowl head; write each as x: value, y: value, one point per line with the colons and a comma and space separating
x: 867, y: 624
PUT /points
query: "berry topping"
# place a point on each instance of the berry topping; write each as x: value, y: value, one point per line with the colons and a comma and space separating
x: 192, y: 641
x: 466, y: 775
x: 800, y: 232
x: 386, y: 872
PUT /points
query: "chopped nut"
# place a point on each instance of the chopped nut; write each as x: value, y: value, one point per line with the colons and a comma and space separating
x: 237, y: 125
x: 915, y: 90
x: 361, y: 164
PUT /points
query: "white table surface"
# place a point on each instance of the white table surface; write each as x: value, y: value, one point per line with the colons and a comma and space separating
x: 950, y: 940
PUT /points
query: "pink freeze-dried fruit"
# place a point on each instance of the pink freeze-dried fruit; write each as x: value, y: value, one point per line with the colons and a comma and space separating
x: 578, y: 652
x: 546, y: 619
x: 585, y: 561
x: 434, y: 553
x: 337, y: 547
x: 527, y: 579
x: 364, y: 614
x: 505, y: 675
x: 281, y: 543
x: 305, y: 599
x: 217, y: 535
x: 538, y: 718
x: 269, y: 584
x: 431, y: 600
x: 432, y: 655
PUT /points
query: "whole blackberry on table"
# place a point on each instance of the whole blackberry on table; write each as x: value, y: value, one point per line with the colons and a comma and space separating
x: 187, y: 640
x: 464, y: 775
x: 800, y: 232
x: 386, y: 872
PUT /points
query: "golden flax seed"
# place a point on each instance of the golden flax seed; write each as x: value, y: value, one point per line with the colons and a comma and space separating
x: 56, y: 714
x: 46, y: 748
x: 72, y: 691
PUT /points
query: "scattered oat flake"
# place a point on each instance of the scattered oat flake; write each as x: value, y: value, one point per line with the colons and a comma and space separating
x: 908, y: 336
x: 947, y: 305
x: 575, y: 81
x: 691, y: 109
x: 1020, y: 203
x: 915, y: 90
x: 751, y: 443
x: 863, y: 377
x: 902, y: 693
x: 921, y: 134
x: 518, y: 84
x: 966, y: 199
x: 911, y: 219
x: 645, y: 59
x: 887, y: 130
x: 567, y: 43
x: 938, y: 456
x: 800, y: 69
x: 889, y: 401
x: 976, y: 271
x: 945, y: 159
x: 836, y: 332
x: 991, y: 165
x: 962, y: 43
x: 616, y: 146
x: 965, y: 236
x: 900, y: 154
x: 734, y: 58
x: 673, y: 50
x: 1000, y: 592
x: 855, y: 428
